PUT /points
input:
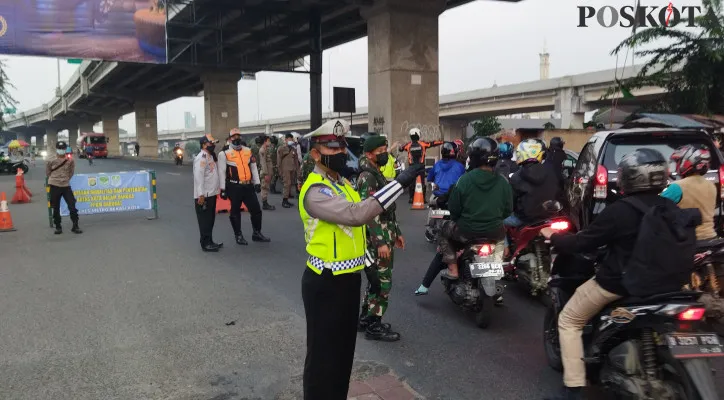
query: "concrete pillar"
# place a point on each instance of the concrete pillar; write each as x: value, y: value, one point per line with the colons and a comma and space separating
x: 110, y: 129
x: 147, y: 129
x: 73, y: 136
x: 569, y: 103
x: 39, y: 141
x: 403, y: 67
x: 221, y: 103
x: 51, y: 138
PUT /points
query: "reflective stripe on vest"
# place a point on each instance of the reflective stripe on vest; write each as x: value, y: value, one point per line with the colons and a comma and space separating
x: 237, y: 165
x: 338, y: 248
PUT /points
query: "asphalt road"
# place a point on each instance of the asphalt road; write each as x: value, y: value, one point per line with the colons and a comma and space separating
x: 132, y: 309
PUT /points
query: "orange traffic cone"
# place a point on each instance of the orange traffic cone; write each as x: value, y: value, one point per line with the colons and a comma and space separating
x: 222, y: 206
x: 21, y: 195
x: 6, y: 221
x: 418, y: 200
x: 22, y: 179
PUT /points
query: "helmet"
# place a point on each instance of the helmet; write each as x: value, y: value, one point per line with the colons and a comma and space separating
x: 448, y: 150
x: 506, y: 150
x: 459, y: 143
x: 259, y: 140
x: 643, y: 170
x: 530, y: 151
x: 61, y: 145
x: 691, y: 159
x: 483, y: 152
x: 274, y: 140
x: 415, y: 132
x: 557, y: 143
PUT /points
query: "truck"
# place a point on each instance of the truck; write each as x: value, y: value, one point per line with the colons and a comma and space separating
x: 98, y: 141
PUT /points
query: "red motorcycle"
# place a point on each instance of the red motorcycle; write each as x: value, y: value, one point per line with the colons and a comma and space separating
x: 530, y: 254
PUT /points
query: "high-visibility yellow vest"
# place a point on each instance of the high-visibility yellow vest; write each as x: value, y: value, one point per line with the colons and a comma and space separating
x: 331, y: 246
x: 388, y: 170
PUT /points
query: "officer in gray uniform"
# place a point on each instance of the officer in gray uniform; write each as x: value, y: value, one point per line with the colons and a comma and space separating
x: 334, y: 219
x: 206, y: 187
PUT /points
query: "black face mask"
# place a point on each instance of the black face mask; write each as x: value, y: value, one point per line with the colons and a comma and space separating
x: 382, y: 159
x: 210, y: 148
x: 236, y: 142
x: 335, y: 162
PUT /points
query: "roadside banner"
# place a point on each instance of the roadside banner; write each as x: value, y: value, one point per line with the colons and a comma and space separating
x: 111, y: 192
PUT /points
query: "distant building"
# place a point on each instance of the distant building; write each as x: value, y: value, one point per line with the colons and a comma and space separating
x: 189, y: 120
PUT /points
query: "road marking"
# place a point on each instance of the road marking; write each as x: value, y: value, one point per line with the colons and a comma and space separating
x: 174, y: 173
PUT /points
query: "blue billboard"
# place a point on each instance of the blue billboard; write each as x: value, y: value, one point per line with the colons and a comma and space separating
x: 113, y: 30
x: 110, y: 193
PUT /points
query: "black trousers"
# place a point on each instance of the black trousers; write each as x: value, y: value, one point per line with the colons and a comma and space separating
x: 331, y: 307
x: 411, y: 189
x: 206, y: 215
x: 58, y: 192
x: 436, y: 265
x: 243, y: 194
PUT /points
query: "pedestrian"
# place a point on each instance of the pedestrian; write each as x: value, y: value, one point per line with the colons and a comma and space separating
x: 288, y: 162
x: 239, y: 180
x: 59, y: 171
x: 138, y: 150
x: 275, y: 178
x: 267, y: 170
x: 89, y: 154
x: 334, y: 216
x: 206, y: 188
x: 383, y: 236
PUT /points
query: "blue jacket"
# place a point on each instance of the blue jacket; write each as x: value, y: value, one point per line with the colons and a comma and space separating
x: 445, y: 174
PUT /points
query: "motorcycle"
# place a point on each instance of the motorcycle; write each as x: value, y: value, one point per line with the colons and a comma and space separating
x: 179, y: 157
x: 531, y: 255
x: 11, y: 167
x: 707, y: 277
x: 437, y: 213
x: 479, y: 287
x: 640, y: 348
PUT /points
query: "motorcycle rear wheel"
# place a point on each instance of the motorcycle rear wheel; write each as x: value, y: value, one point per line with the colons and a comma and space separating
x: 551, y: 341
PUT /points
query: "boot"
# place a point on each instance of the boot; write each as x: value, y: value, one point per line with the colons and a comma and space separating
x: 58, y: 229
x: 267, y: 206
x: 364, y: 322
x: 240, y: 239
x: 75, y: 228
x: 210, y: 247
x: 568, y: 393
x: 258, y: 237
x: 376, y: 330
x: 287, y: 204
x: 219, y: 245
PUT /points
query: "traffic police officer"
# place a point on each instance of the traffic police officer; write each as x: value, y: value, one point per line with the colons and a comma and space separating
x: 334, y: 218
x: 206, y: 187
x: 239, y: 180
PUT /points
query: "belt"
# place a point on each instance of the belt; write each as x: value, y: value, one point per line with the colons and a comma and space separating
x: 320, y: 264
x: 239, y: 182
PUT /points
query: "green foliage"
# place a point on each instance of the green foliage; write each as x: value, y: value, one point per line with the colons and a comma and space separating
x: 549, y: 125
x: 691, y: 68
x: 192, y: 147
x: 6, y: 99
x: 486, y: 126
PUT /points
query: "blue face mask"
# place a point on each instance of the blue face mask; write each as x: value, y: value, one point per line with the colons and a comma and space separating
x: 291, y: 143
x: 60, y: 152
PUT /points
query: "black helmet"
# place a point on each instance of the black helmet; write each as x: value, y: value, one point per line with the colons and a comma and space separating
x: 483, y: 152
x: 61, y: 145
x: 274, y: 140
x: 448, y: 150
x: 557, y: 143
x: 259, y: 140
x: 644, y: 170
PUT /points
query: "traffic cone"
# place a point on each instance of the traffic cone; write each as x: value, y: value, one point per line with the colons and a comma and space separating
x: 222, y: 206
x: 6, y: 221
x: 418, y: 200
x: 21, y: 195
x: 22, y: 179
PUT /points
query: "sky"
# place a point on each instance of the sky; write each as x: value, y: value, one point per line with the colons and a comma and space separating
x: 482, y: 43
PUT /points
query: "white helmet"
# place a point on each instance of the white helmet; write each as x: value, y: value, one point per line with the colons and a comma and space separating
x: 415, y: 131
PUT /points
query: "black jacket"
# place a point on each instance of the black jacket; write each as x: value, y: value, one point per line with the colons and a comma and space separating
x: 617, y: 228
x: 554, y: 160
x: 533, y: 185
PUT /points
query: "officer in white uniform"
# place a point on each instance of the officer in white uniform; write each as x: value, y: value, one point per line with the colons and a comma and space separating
x: 206, y: 188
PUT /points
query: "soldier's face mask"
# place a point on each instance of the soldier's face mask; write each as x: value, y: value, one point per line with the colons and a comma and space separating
x: 382, y: 159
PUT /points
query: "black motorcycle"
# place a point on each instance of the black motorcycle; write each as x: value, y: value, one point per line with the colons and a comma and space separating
x: 708, y: 277
x: 638, y: 348
x: 12, y: 167
x: 179, y: 157
x: 437, y: 213
x: 479, y: 286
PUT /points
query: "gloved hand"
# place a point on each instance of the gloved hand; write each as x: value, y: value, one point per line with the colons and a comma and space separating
x: 257, y: 188
x: 408, y: 176
x: 223, y: 195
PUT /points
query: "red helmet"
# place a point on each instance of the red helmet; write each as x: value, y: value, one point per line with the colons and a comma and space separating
x: 691, y: 159
x: 459, y: 143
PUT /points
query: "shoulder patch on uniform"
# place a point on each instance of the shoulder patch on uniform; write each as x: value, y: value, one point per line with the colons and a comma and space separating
x: 326, y: 191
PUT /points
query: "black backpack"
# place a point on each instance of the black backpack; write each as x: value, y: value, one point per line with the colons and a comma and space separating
x: 663, y: 256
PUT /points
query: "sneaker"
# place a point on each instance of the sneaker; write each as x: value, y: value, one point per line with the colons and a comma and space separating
x: 421, y: 291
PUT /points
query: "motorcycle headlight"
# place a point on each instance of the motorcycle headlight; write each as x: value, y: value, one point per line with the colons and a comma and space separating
x: 43, y: 153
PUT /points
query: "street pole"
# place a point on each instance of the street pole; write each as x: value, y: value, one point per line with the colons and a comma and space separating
x: 58, y: 92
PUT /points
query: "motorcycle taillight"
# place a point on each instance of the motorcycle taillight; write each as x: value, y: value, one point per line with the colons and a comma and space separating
x: 692, y: 314
x: 560, y: 226
x: 486, y: 250
x: 721, y: 182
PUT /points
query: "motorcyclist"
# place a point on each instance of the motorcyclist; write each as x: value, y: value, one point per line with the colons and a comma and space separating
x: 461, y: 154
x: 643, y: 174
x: 445, y: 172
x: 533, y: 184
x: 175, y: 150
x: 693, y: 190
x: 554, y: 158
x: 478, y: 204
x: 506, y: 165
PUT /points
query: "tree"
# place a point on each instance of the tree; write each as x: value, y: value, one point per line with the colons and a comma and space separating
x: 192, y: 147
x: 549, y: 125
x: 691, y: 69
x: 486, y: 126
x: 6, y: 99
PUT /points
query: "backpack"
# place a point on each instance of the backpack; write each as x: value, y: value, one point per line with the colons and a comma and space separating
x: 663, y: 255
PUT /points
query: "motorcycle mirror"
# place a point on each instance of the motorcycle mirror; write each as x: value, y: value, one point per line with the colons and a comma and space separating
x: 510, y: 175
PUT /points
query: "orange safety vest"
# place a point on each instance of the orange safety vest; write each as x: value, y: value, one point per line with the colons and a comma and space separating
x: 237, y: 165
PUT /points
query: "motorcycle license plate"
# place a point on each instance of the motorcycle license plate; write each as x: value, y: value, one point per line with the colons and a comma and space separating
x: 439, y: 213
x: 487, y: 270
x: 694, y: 345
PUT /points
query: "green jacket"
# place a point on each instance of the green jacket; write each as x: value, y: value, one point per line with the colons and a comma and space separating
x: 480, y: 201
x: 384, y: 228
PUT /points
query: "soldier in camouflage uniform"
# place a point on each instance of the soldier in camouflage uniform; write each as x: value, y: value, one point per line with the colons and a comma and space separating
x: 255, y: 148
x: 275, y: 177
x: 308, y: 164
x: 266, y: 170
x: 383, y: 235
